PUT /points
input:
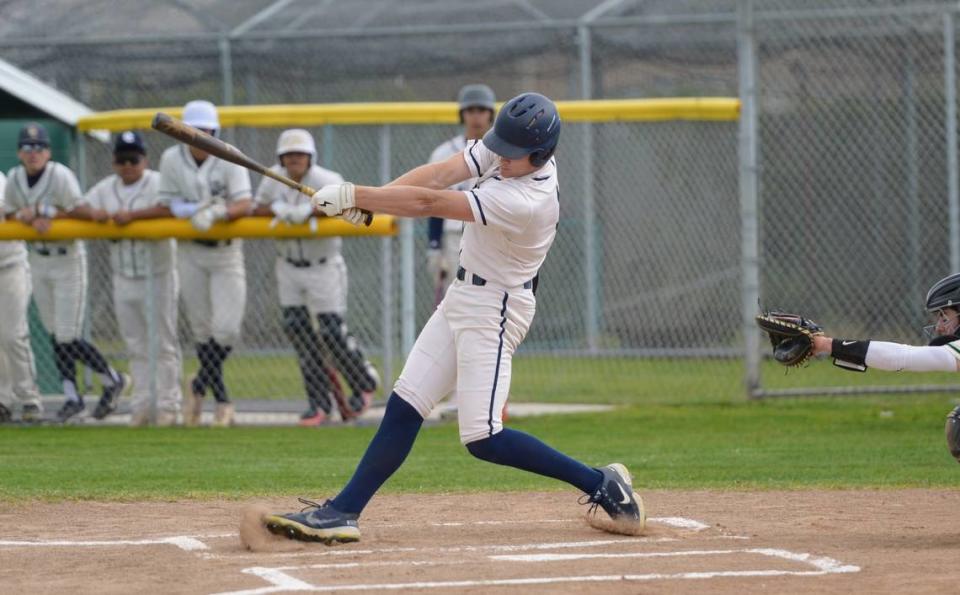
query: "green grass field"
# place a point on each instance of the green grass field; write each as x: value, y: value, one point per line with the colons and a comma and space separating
x: 583, y: 380
x: 865, y: 442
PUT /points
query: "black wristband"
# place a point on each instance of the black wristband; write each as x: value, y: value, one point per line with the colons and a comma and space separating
x: 850, y: 354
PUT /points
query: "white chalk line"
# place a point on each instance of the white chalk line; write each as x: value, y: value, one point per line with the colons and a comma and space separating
x: 447, y: 549
x: 822, y: 565
x: 673, y: 521
x: 184, y: 542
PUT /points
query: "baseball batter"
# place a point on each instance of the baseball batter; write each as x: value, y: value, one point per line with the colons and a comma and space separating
x: 467, y: 345
x: 144, y: 280
x: 312, y: 283
x: 477, y: 105
x: 40, y: 190
x: 15, y: 351
x: 941, y: 355
x: 213, y: 282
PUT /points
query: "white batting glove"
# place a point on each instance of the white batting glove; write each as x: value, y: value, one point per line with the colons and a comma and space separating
x: 281, y: 209
x: 299, y: 213
x: 354, y: 216
x: 334, y: 199
x: 204, y: 219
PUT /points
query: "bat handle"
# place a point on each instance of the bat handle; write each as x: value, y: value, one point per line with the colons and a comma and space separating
x: 368, y: 216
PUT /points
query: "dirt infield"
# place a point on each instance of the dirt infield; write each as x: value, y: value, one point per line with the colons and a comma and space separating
x: 725, y: 542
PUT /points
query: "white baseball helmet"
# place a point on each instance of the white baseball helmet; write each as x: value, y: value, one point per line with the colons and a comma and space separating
x: 200, y: 113
x: 296, y: 140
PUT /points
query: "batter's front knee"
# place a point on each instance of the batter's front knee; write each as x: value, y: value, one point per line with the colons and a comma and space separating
x: 486, y: 449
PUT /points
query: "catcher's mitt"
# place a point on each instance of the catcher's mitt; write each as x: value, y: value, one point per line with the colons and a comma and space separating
x: 953, y: 432
x: 791, y: 336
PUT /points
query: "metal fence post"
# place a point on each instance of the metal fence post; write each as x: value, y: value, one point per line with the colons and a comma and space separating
x: 386, y: 264
x: 226, y: 79
x: 591, y: 260
x: 749, y: 189
x: 950, y: 97
x: 153, y: 342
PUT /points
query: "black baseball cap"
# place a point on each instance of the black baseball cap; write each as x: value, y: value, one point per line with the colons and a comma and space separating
x: 33, y: 134
x: 129, y: 141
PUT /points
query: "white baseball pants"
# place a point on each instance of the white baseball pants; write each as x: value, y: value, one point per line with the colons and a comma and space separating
x: 467, y: 348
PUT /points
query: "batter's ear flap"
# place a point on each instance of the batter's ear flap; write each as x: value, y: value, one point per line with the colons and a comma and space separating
x: 540, y: 157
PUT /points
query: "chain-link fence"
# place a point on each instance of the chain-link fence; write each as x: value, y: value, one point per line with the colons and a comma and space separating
x: 647, y: 289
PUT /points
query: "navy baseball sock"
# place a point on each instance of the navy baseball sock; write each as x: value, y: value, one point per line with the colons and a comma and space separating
x: 94, y: 360
x: 217, y: 387
x: 523, y: 451
x: 386, y: 452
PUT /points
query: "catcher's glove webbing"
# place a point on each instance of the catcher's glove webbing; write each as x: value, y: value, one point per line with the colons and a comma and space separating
x: 953, y: 432
x: 791, y: 336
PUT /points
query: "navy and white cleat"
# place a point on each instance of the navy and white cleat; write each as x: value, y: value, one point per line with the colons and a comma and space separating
x: 624, y: 507
x: 317, y: 522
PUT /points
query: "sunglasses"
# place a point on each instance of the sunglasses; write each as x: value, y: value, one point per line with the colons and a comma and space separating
x: 125, y: 159
x: 33, y: 148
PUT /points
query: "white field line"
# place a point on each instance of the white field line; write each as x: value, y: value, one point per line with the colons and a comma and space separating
x: 184, y: 542
x: 442, y: 549
x: 672, y: 521
x: 822, y: 565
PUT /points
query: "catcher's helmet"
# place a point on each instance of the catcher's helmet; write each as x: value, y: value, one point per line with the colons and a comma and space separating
x: 528, y: 124
x: 945, y: 293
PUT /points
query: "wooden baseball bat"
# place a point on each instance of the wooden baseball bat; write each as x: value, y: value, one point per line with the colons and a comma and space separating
x: 216, y: 147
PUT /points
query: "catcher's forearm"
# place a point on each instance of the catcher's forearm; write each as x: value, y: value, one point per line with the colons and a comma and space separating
x: 893, y: 357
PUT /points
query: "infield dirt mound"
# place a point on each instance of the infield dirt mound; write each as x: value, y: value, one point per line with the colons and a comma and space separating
x: 886, y: 541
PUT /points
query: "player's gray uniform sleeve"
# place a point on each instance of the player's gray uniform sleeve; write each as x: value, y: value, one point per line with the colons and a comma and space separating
x: 238, y: 182
x: 94, y: 197
x: 66, y: 189
x: 169, y: 188
x: 6, y: 196
x: 267, y: 191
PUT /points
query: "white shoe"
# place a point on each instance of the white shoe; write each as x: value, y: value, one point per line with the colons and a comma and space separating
x: 193, y: 406
x: 223, y: 417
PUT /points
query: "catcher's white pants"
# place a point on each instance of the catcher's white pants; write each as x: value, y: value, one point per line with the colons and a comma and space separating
x: 132, y: 307
x: 322, y: 288
x: 467, y: 348
x: 213, y: 284
x: 17, y: 371
x: 60, y: 291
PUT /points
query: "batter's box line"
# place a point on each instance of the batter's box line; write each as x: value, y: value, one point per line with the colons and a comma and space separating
x: 822, y: 565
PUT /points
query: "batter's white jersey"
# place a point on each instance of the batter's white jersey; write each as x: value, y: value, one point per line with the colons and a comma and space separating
x: 133, y: 258
x: 58, y: 269
x: 467, y: 346
x: 271, y: 191
x: 443, y: 152
x: 515, y: 219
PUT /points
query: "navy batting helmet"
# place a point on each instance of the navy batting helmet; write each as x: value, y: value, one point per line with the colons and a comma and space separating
x: 528, y: 124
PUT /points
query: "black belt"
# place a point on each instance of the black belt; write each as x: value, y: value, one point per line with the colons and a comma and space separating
x: 212, y: 243
x: 60, y: 251
x: 303, y: 264
x: 480, y: 281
